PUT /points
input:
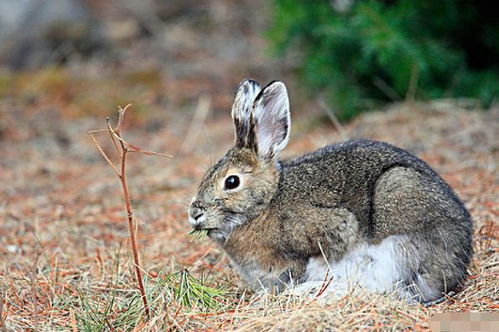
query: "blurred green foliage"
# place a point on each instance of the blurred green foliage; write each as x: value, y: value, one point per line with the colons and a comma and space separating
x: 374, y: 51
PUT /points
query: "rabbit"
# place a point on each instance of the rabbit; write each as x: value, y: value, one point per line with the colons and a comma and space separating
x: 361, y: 212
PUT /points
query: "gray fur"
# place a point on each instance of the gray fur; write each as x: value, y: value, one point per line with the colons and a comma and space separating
x: 329, y: 202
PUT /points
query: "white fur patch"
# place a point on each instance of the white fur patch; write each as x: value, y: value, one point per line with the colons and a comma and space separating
x: 375, y: 268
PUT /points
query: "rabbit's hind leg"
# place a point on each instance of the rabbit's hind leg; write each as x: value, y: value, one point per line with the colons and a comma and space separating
x: 421, y: 208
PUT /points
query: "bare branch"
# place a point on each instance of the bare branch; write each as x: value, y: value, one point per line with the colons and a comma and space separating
x: 134, y: 148
x: 150, y: 153
x: 132, y: 232
x: 97, y: 131
x: 112, y: 137
x: 104, y: 154
x: 123, y: 147
x: 121, y: 115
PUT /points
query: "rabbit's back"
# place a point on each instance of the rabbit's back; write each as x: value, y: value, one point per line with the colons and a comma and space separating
x: 353, y: 175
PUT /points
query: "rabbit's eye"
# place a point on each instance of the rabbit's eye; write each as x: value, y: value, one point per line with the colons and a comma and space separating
x: 232, y: 182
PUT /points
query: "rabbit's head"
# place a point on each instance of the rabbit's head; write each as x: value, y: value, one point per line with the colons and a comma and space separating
x: 241, y: 184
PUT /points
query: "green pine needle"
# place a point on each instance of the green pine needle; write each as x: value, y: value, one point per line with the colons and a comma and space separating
x: 198, y: 233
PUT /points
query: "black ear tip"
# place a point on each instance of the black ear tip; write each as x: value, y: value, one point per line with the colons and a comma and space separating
x: 275, y: 86
x: 248, y: 82
x: 253, y: 82
x: 272, y: 88
x: 272, y: 82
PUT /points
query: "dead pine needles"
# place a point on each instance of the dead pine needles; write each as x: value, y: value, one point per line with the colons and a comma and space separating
x: 122, y: 147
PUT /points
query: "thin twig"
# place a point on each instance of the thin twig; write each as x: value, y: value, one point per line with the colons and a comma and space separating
x: 97, y: 131
x: 386, y: 89
x: 332, y: 116
x: 413, y: 84
x: 327, y: 281
x: 197, y: 122
x: 72, y: 317
x: 114, y: 134
x: 111, y: 136
x: 3, y: 296
x: 104, y: 154
x: 123, y: 148
x: 131, y: 229
x: 121, y: 115
x: 34, y: 293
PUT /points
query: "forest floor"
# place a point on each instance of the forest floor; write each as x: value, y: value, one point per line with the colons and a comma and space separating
x: 65, y: 258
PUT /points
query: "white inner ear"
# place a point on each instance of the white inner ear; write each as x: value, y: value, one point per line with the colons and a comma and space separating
x: 273, y: 122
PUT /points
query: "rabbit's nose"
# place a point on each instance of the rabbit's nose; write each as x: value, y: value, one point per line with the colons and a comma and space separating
x: 196, y: 216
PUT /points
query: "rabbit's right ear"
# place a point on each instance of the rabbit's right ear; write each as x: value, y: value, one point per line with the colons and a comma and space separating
x: 271, y: 120
x: 241, y: 109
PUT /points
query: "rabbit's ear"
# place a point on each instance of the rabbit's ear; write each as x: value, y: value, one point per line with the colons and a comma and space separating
x: 271, y: 119
x: 241, y: 109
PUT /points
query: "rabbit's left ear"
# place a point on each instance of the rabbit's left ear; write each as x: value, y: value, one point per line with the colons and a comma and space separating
x: 241, y: 110
x: 271, y: 119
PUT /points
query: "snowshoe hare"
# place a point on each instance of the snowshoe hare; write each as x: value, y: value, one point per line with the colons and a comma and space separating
x: 365, y: 213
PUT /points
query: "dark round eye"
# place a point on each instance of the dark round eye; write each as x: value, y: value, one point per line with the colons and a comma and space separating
x: 232, y: 182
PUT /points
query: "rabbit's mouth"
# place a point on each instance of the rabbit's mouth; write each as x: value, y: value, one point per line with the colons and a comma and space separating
x: 219, y: 234
x: 207, y: 229
x: 211, y: 232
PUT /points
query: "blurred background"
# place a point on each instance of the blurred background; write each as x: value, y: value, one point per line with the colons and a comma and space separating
x: 423, y: 75
x: 353, y: 55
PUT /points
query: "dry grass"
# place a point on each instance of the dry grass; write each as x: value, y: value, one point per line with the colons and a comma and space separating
x: 63, y: 236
